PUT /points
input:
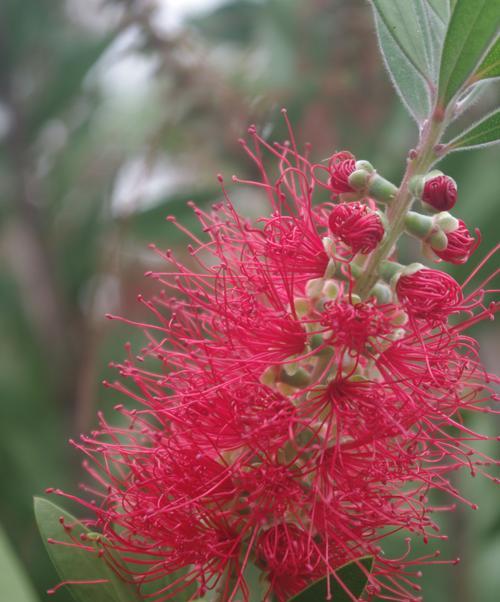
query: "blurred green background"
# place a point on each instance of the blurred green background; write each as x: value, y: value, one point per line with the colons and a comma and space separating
x: 113, y: 114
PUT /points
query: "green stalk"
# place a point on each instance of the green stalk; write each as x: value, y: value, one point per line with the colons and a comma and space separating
x: 419, y: 162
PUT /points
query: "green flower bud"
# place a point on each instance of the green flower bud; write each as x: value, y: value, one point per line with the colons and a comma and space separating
x: 314, y: 288
x: 359, y: 179
x: 301, y: 306
x: 446, y: 222
x: 330, y: 289
x: 438, y: 240
x: 365, y: 165
x: 382, y: 293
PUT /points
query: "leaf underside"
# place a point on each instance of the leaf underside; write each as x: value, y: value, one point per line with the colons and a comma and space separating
x: 411, y: 36
x: 408, y: 82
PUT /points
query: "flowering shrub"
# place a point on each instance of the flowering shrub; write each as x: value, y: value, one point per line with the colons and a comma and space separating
x: 300, y: 393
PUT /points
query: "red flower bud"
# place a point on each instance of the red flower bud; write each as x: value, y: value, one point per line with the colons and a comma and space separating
x: 429, y: 294
x: 460, y: 245
x: 357, y: 226
x: 341, y: 166
x: 440, y: 192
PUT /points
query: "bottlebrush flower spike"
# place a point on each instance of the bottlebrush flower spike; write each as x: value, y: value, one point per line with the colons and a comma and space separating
x: 279, y: 419
x: 440, y: 193
x: 460, y: 245
x: 356, y: 225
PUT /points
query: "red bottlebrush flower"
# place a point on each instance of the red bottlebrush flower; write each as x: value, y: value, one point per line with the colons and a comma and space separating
x: 429, y: 294
x: 357, y: 226
x: 341, y: 166
x: 354, y: 325
x: 293, y: 246
x: 217, y: 465
x: 440, y: 193
x: 460, y: 245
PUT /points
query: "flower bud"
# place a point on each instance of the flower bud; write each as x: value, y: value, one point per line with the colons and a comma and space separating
x: 460, y: 245
x: 382, y: 293
x: 357, y: 226
x: 314, y: 288
x: 446, y: 221
x: 438, y: 240
x: 301, y: 306
x: 417, y: 183
x: 330, y: 289
x: 341, y: 165
x: 437, y: 192
x: 428, y: 294
x: 358, y: 179
x: 365, y: 166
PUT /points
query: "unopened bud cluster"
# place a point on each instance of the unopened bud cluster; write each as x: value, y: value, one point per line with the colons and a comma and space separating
x: 442, y: 235
x: 356, y: 221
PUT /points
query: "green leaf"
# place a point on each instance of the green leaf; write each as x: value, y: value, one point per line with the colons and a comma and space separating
x: 435, y: 27
x: 441, y: 8
x: 406, y: 24
x: 482, y: 133
x: 473, y: 26
x: 15, y: 585
x: 490, y: 65
x: 409, y: 84
x: 75, y: 564
x: 351, y: 575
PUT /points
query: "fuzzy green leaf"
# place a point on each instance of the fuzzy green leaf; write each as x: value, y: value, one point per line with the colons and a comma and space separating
x: 75, y: 564
x: 473, y: 26
x: 406, y: 24
x: 409, y: 84
x: 441, y: 8
x: 435, y: 29
x: 15, y: 585
x: 351, y: 576
x: 482, y: 133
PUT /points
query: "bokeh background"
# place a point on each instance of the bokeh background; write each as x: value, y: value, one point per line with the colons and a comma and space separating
x: 114, y: 113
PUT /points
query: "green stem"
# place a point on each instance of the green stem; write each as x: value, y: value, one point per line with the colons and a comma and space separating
x: 420, y: 162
